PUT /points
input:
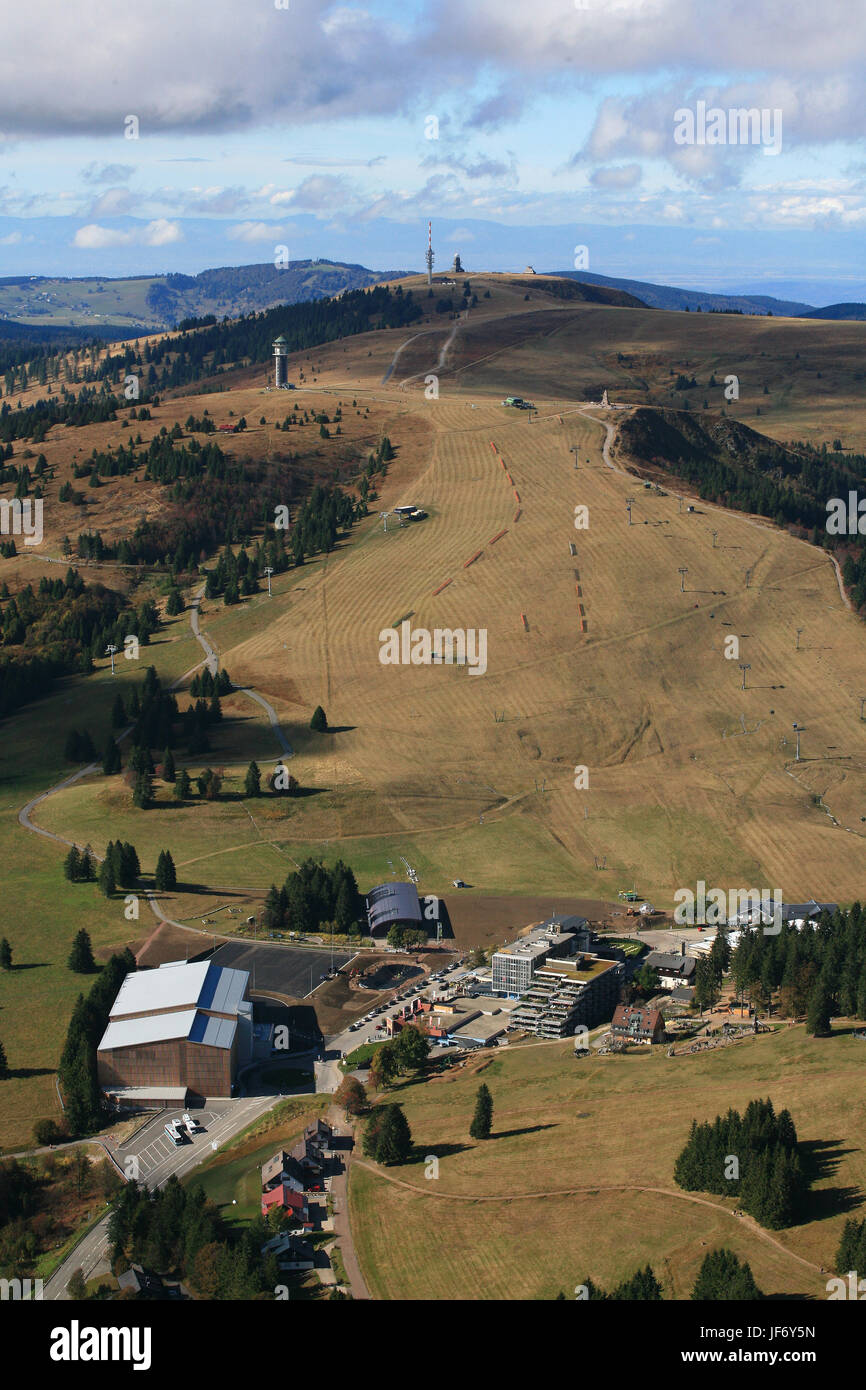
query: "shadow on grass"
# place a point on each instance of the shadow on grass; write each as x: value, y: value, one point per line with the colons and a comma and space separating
x: 513, y: 1133
x: 442, y: 1150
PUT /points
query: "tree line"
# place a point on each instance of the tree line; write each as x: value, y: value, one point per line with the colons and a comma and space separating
x: 315, y: 895
x: 753, y: 1156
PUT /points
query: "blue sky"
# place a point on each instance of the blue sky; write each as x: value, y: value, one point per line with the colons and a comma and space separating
x: 338, y: 129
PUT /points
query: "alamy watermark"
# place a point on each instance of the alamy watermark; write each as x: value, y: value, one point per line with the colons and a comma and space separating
x: 19, y: 518
x: 739, y: 125
x: 443, y: 646
x: 717, y: 907
x: 846, y: 518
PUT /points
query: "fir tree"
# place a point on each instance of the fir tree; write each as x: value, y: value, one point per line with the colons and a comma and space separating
x: 319, y: 722
x: 253, y: 781
x: 818, y: 1015
x: 5, y: 955
x: 723, y: 1279
x: 81, y: 956
x: 72, y: 865
x: 168, y: 772
x: 483, y: 1117
x: 111, y: 762
x: 182, y: 787
x: 107, y: 883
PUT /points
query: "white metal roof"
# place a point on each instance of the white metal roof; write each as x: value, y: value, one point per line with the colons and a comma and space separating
x: 169, y: 987
x: 177, y: 983
x: 152, y: 1028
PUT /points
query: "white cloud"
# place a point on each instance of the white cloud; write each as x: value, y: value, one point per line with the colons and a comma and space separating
x: 11, y: 240
x: 96, y: 238
x: 162, y: 233
x: 254, y: 231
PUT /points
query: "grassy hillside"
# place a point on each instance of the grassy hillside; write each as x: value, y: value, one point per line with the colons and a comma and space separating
x: 577, y: 1176
x: 595, y: 659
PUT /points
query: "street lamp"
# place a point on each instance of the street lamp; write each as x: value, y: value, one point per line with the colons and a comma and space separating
x: 269, y: 571
x: 109, y: 651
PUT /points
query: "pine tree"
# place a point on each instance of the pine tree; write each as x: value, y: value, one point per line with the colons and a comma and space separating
x: 4, y: 1065
x: 142, y: 795
x: 165, y: 878
x: 81, y: 956
x: 642, y: 1287
x: 818, y: 1015
x: 722, y: 1278
x: 253, y: 781
x: 395, y: 1138
x: 107, y: 882
x: 72, y: 865
x: 182, y: 787
x: 128, y: 870
x: 87, y: 867
x: 168, y: 772
x: 319, y: 722
x: 111, y: 762
x: 5, y: 955
x: 170, y: 872
x: 483, y: 1117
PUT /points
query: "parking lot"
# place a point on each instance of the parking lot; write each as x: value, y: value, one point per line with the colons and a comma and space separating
x: 150, y: 1148
x: 292, y: 970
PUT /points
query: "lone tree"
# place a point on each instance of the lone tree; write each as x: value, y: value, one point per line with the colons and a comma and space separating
x: 5, y: 955
x: 253, y: 781
x: 168, y: 772
x: 483, y: 1117
x: 319, y: 721
x: 723, y: 1279
x: 182, y: 787
x: 165, y: 879
x: 4, y: 1065
x: 81, y: 956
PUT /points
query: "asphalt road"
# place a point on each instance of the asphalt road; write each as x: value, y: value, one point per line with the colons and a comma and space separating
x: 157, y: 1162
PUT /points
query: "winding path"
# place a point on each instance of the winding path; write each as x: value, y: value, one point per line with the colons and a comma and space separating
x: 747, y: 1221
x: 211, y: 662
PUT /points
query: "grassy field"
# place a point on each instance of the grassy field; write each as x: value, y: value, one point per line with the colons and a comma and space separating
x: 535, y: 1209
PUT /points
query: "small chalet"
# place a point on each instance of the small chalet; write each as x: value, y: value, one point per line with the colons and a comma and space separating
x: 631, y: 1023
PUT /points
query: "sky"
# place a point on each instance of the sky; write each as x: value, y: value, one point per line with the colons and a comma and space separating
x: 180, y: 135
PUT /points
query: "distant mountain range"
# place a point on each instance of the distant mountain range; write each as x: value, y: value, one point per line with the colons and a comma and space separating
x: 34, y: 307
x: 40, y: 309
x: 670, y: 297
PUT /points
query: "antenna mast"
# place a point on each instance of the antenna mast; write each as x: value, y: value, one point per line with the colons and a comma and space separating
x: 429, y: 254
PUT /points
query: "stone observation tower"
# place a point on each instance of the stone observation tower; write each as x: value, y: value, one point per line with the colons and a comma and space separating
x: 281, y: 350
